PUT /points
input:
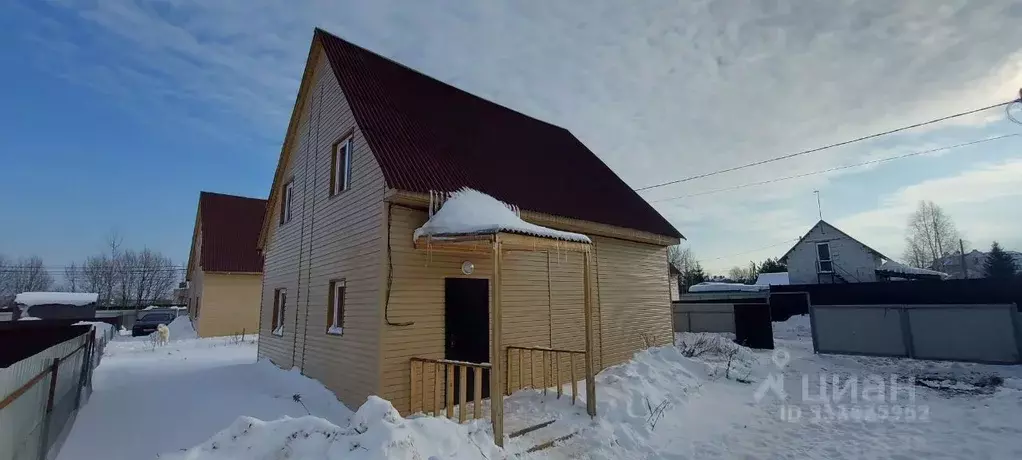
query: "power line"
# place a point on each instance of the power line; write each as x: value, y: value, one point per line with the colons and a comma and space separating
x: 830, y: 146
x: 756, y: 249
x: 838, y: 168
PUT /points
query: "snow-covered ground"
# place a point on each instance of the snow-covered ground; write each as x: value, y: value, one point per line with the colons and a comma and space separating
x: 682, y: 401
x: 150, y: 400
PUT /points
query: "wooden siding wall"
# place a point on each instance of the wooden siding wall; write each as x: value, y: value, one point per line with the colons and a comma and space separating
x: 417, y: 295
x: 542, y: 304
x: 230, y: 304
x: 338, y: 237
x: 634, y: 298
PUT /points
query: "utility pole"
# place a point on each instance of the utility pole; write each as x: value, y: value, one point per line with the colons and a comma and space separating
x: 961, y: 247
x: 819, y: 208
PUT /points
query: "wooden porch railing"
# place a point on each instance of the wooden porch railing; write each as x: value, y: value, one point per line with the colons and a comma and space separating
x: 552, y: 363
x: 438, y: 375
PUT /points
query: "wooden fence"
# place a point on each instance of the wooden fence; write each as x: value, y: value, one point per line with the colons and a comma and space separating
x: 438, y: 376
x: 43, y: 392
x: 542, y: 368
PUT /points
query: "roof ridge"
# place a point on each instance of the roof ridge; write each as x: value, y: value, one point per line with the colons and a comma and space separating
x: 392, y: 61
x: 228, y: 195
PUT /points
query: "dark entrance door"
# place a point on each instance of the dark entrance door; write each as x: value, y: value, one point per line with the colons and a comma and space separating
x: 467, y: 328
x: 753, y: 327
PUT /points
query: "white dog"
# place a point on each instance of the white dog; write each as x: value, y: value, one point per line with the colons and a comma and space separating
x: 162, y: 334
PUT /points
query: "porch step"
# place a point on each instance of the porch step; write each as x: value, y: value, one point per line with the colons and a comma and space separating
x: 550, y: 443
x: 539, y: 437
x: 530, y: 429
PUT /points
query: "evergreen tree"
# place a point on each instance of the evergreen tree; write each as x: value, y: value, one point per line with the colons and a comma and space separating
x: 772, y: 266
x: 999, y: 264
x: 692, y: 275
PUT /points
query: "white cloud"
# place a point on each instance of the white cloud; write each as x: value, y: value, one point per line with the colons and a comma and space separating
x: 976, y: 200
x: 660, y: 90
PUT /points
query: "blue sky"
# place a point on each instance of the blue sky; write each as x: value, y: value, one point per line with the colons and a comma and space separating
x: 120, y: 111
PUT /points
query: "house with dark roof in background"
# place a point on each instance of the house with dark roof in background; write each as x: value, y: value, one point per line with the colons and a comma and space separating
x: 225, y: 268
x: 356, y: 298
x: 825, y: 255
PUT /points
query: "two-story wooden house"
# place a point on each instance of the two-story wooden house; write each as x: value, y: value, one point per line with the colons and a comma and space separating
x: 352, y: 298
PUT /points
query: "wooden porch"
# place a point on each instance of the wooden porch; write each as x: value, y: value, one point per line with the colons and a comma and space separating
x: 440, y: 387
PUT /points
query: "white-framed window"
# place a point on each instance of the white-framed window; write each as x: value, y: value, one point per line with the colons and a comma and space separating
x: 279, y: 307
x: 286, y: 201
x: 335, y: 308
x: 340, y: 166
x: 825, y: 264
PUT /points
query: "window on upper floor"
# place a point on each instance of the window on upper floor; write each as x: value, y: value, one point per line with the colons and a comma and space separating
x: 287, y: 199
x: 335, y: 308
x: 279, y: 307
x: 340, y: 166
x: 824, y: 262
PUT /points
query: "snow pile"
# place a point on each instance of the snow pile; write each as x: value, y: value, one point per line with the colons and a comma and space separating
x: 644, y: 405
x: 773, y: 279
x: 471, y: 212
x: 60, y: 298
x: 181, y: 329
x: 895, y: 267
x: 376, y: 431
x: 726, y: 287
x: 29, y: 318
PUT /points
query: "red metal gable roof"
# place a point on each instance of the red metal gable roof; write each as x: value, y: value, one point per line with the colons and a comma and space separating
x: 230, y: 232
x: 428, y: 135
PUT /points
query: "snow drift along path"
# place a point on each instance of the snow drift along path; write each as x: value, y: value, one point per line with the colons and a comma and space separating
x: 375, y: 432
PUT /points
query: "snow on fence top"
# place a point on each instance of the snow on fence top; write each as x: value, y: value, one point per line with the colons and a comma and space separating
x: 726, y: 287
x: 895, y: 267
x: 471, y: 212
x: 29, y: 299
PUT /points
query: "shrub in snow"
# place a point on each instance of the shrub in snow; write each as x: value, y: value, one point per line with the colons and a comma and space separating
x: 376, y: 431
x: 724, y: 357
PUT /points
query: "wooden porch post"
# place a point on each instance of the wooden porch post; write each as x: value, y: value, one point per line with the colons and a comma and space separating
x: 496, y: 365
x: 588, y: 305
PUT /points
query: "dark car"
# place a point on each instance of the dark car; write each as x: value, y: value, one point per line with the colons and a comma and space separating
x: 147, y: 323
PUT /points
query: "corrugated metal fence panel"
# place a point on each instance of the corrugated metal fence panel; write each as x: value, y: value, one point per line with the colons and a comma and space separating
x: 22, y: 421
x: 863, y: 330
x: 972, y: 332
x: 981, y: 333
x: 704, y: 317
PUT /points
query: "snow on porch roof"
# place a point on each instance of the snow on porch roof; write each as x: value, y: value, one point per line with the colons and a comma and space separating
x: 471, y: 212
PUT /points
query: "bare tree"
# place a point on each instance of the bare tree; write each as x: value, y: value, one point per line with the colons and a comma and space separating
x: 915, y: 255
x: 100, y: 274
x: 6, y: 286
x: 931, y: 234
x: 144, y: 277
x: 5, y: 279
x: 72, y: 277
x: 26, y: 275
x: 681, y: 257
x: 743, y: 274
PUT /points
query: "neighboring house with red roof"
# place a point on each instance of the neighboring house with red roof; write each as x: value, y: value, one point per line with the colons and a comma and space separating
x: 354, y: 301
x: 225, y: 268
